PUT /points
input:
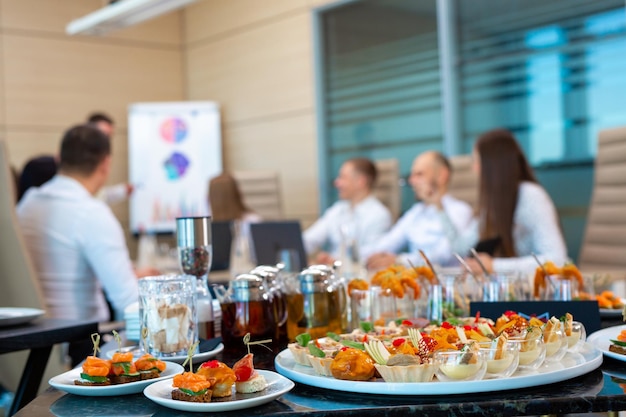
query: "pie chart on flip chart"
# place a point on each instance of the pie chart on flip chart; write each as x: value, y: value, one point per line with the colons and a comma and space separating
x: 173, y: 130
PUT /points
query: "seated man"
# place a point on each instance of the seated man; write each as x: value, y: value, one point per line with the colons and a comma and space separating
x: 76, y: 243
x: 358, y: 216
x: 424, y: 225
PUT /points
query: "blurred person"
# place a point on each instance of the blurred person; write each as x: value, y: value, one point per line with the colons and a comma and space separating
x: 358, y: 214
x: 424, y: 226
x: 226, y: 202
x: 76, y: 243
x: 117, y: 193
x: 102, y: 122
x: 512, y: 208
x: 36, y: 172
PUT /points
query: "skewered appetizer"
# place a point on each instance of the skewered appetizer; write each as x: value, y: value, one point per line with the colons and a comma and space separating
x: 248, y: 379
x: 123, y: 369
x: 619, y: 345
x: 191, y: 387
x: 222, y: 376
x: 149, y: 367
x: 95, y: 372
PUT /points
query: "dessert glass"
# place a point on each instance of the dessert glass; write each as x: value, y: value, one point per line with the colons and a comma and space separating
x: 578, y: 336
x: 455, y: 365
x: 532, y: 352
x: 505, y: 365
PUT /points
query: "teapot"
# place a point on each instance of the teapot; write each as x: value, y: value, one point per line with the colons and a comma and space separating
x: 315, y: 304
x: 273, y: 282
x: 248, y: 306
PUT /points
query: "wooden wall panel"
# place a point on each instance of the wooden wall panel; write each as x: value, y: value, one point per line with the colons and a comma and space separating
x: 2, y: 83
x: 259, y: 73
x: 209, y: 18
x: 319, y: 3
x: 52, y: 82
x: 53, y: 16
x: 285, y: 146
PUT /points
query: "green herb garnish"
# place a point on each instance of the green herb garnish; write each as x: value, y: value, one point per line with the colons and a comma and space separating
x: 303, y: 339
x: 351, y: 344
x: 618, y: 342
x: 333, y: 336
x: 366, y: 326
x: 93, y: 378
x: 315, y: 351
x: 190, y: 392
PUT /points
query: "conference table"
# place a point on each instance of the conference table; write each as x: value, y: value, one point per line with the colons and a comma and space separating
x: 601, y: 390
x: 39, y: 337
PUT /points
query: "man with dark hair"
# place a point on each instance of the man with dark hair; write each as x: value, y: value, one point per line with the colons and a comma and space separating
x: 113, y: 193
x: 102, y: 122
x: 357, y: 220
x: 424, y: 225
x: 75, y: 241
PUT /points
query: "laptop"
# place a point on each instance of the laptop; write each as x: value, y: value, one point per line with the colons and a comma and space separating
x: 270, y: 238
x: 221, y: 238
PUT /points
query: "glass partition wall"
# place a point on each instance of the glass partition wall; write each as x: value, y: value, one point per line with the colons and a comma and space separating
x: 550, y: 71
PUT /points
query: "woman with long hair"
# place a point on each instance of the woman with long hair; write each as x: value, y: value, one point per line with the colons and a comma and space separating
x: 226, y: 202
x: 227, y: 206
x: 513, y: 209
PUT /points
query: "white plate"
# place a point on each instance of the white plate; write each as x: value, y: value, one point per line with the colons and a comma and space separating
x: 601, y: 341
x: 65, y: 382
x: 10, y: 316
x: 572, y: 365
x: 197, y: 358
x: 161, y: 393
x: 610, y: 312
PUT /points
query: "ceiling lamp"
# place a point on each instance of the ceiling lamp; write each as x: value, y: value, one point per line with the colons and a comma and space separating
x: 121, y: 14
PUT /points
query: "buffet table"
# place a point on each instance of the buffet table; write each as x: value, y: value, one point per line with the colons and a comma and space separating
x: 39, y: 337
x: 597, y: 391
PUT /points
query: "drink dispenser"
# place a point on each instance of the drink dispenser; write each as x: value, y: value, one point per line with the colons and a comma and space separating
x: 315, y: 304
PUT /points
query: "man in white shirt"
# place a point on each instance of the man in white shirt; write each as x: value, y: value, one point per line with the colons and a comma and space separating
x: 358, y: 217
x: 117, y: 193
x: 75, y: 241
x: 423, y: 226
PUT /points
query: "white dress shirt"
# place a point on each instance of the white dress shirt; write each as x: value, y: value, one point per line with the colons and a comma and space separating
x: 367, y: 221
x: 535, y: 230
x: 78, y: 247
x: 423, y: 227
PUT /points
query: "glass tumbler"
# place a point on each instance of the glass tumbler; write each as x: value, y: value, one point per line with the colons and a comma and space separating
x: 167, y: 309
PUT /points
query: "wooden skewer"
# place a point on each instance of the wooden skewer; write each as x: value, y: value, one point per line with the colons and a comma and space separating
x: 480, y: 263
x: 430, y: 266
x: 545, y: 273
x: 468, y: 269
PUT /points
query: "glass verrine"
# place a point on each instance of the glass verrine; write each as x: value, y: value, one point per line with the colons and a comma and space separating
x: 167, y: 309
x: 456, y: 365
x: 503, y: 362
x: 555, y: 342
x: 532, y: 352
x: 576, y: 336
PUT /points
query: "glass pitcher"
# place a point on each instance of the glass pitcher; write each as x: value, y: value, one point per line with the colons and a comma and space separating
x: 315, y: 305
x: 247, y: 307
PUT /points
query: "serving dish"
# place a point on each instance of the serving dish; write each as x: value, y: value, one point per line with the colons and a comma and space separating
x: 572, y: 365
x: 161, y: 393
x: 65, y: 382
x: 601, y: 340
x: 201, y: 356
x: 11, y: 316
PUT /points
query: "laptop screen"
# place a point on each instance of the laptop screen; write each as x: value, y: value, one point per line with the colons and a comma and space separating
x: 221, y: 237
x: 270, y: 238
